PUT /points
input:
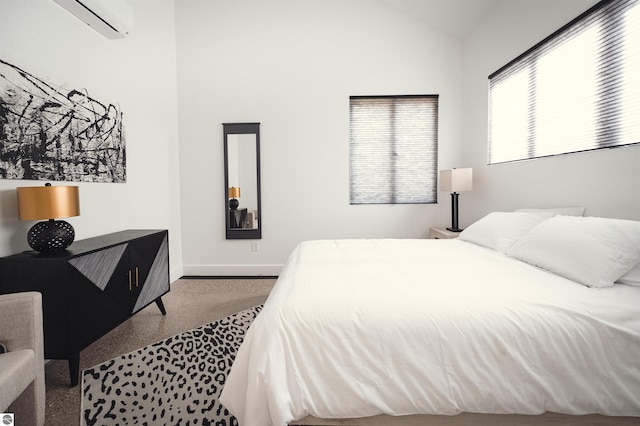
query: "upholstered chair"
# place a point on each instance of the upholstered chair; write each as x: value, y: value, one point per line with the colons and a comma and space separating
x: 22, y: 386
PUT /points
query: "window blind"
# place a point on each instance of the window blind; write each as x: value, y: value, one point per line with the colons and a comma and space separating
x: 393, y: 149
x: 577, y: 90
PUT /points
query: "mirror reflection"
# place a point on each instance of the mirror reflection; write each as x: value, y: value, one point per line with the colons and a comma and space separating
x: 242, y: 180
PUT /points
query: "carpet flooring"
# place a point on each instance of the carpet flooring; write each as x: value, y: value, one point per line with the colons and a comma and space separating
x: 191, y: 303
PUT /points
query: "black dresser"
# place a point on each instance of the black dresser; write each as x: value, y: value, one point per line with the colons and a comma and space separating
x: 92, y: 287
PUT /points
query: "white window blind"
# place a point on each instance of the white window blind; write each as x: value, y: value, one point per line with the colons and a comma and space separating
x: 577, y: 90
x: 393, y: 149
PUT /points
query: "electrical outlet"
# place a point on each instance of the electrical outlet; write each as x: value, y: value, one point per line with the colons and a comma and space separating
x: 255, y: 246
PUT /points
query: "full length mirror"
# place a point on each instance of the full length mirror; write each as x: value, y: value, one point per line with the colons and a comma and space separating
x: 242, y: 180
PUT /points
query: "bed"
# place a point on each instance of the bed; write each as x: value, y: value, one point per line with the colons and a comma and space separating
x: 527, y: 318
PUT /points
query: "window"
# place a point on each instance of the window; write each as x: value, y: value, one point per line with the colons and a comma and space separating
x: 393, y: 149
x: 577, y: 90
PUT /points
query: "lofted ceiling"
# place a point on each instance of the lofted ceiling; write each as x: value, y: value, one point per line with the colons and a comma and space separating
x: 454, y: 17
x: 457, y: 18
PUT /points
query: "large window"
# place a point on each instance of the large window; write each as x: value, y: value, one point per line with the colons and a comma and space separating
x: 577, y: 90
x: 393, y: 149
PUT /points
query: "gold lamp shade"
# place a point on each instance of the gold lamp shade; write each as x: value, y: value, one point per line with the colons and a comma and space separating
x: 234, y: 192
x: 49, y: 202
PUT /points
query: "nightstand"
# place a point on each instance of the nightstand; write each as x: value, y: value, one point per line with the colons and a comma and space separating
x: 442, y: 234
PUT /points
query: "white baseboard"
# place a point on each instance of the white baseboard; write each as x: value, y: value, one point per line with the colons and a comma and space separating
x: 232, y: 270
x: 175, y: 274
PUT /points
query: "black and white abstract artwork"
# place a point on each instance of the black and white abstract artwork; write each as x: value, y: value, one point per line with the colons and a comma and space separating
x: 58, y: 134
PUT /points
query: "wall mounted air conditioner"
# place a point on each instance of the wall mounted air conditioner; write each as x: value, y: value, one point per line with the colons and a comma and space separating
x: 111, y: 18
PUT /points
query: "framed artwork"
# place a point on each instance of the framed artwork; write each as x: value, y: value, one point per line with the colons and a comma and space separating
x: 57, y: 134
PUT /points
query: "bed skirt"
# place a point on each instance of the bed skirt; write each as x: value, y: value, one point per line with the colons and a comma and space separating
x: 466, y: 419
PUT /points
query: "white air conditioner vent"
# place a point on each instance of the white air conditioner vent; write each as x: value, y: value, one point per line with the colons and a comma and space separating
x: 111, y: 18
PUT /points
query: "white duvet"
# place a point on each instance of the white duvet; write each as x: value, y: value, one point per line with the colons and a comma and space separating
x: 356, y: 328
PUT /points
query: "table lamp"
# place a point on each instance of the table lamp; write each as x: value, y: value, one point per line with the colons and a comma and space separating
x: 49, y: 202
x: 454, y: 181
x: 234, y: 193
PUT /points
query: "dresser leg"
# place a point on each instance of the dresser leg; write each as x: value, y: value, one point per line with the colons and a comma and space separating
x: 74, y: 368
x: 161, y: 306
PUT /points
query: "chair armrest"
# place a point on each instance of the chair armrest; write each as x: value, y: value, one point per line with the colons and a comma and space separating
x: 21, y: 322
x: 21, y: 329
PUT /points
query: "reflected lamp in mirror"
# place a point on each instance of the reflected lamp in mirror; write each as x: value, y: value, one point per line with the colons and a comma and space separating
x: 234, y: 194
x: 50, y: 203
x: 455, y: 181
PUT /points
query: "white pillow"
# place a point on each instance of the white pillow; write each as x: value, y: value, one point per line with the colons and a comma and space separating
x: 565, y: 211
x: 592, y: 251
x: 631, y: 278
x: 498, y: 230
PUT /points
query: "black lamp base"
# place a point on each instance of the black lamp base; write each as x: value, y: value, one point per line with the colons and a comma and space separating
x: 454, y: 213
x: 51, y: 236
x: 233, y: 204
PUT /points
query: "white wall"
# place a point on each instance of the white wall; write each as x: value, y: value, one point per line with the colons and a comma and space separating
x: 605, y: 181
x: 292, y: 66
x: 139, y: 73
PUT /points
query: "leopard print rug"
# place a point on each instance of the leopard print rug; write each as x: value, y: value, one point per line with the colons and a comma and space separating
x: 173, y: 382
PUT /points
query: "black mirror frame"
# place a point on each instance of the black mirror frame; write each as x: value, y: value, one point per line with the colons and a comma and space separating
x: 236, y: 129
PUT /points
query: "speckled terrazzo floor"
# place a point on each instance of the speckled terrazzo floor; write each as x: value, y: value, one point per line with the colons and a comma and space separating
x: 190, y: 303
